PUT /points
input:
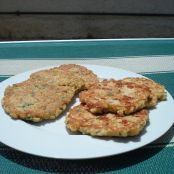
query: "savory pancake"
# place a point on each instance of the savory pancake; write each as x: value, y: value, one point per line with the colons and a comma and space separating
x: 117, y: 97
x: 36, y: 101
x: 58, y: 77
x: 157, y: 90
x: 81, y: 73
x: 81, y: 120
x: 73, y: 75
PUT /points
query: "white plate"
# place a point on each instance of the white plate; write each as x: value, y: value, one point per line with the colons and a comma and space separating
x: 51, y: 139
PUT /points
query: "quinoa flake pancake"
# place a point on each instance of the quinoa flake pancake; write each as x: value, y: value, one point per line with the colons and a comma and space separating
x: 47, y: 92
x: 115, y: 96
x: 68, y: 75
x: 157, y: 89
x: 82, y: 73
x: 36, y: 101
x: 81, y: 120
x: 57, y: 77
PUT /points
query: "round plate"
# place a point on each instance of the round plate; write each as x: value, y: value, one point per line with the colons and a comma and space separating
x: 52, y: 139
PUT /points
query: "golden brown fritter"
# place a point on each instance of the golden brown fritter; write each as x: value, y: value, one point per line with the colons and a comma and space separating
x: 81, y: 120
x: 81, y: 73
x: 157, y: 90
x: 117, y: 97
x: 36, y: 101
x: 73, y: 75
x: 58, y: 77
x: 47, y: 92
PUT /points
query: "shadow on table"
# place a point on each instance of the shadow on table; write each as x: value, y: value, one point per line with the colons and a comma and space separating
x: 87, y: 166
